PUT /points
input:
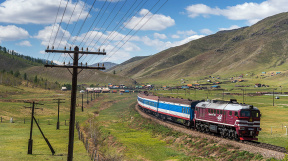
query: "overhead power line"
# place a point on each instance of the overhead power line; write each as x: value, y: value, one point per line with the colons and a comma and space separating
x: 135, y: 32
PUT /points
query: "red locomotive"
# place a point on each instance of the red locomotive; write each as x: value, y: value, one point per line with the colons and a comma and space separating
x: 228, y: 118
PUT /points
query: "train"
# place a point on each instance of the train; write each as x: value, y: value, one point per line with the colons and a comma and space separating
x: 228, y: 119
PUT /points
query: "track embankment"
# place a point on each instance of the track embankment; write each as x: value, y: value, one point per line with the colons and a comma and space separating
x: 266, y: 153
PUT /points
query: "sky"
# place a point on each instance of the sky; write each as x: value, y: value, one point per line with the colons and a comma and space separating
x: 123, y: 28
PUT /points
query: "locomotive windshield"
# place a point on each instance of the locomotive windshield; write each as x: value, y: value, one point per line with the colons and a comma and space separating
x: 248, y: 113
x: 255, y: 114
x: 245, y: 113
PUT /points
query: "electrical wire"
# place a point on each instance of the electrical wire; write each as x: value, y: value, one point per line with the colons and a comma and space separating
x: 135, y: 32
x: 131, y: 29
x: 67, y: 27
x: 54, y: 26
x: 74, y: 29
x: 68, y: 23
x: 94, y: 22
x: 122, y: 27
x: 83, y: 23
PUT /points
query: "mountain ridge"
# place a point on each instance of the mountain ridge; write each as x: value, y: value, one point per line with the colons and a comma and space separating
x: 247, y: 49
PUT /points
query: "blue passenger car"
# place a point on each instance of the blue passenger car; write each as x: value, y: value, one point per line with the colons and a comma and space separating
x: 168, y: 108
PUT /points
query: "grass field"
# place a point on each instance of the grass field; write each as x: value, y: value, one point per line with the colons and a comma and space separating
x: 14, y: 136
x: 124, y: 136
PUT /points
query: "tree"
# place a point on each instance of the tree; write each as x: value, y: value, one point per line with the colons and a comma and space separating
x: 35, y: 79
x: 114, y: 72
x: 17, y: 74
x: 25, y: 76
x: 4, y: 50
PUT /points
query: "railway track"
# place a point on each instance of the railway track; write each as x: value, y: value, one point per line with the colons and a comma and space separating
x: 252, y: 143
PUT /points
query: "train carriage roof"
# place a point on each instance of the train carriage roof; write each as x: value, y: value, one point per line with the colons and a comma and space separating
x: 166, y: 99
x: 224, y: 105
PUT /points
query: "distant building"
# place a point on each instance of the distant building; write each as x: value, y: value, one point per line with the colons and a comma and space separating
x: 64, y: 89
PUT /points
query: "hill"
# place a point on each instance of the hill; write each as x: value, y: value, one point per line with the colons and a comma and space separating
x: 31, y: 67
x: 107, y: 65
x: 260, y: 47
x: 127, y: 63
x: 85, y: 77
x: 15, y: 62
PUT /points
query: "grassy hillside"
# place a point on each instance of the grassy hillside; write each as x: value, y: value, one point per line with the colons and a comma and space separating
x: 12, y: 62
x: 62, y: 75
x: 261, y: 47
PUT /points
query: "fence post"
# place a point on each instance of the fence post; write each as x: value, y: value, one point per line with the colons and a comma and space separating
x: 1, y: 119
x: 24, y: 120
x: 65, y: 122
x: 95, y: 155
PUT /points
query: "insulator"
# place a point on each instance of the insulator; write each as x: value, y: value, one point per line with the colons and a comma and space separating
x: 69, y: 63
x: 65, y: 48
x: 46, y: 61
x: 86, y: 64
x: 81, y: 63
x: 98, y: 64
x: 52, y: 47
x: 51, y: 62
x: 64, y: 62
x: 86, y: 49
x: 48, y: 47
x: 103, y: 50
x: 103, y: 65
x: 82, y: 48
x: 70, y: 48
x: 99, y: 50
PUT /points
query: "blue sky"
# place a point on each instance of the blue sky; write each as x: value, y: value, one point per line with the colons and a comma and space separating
x: 126, y: 29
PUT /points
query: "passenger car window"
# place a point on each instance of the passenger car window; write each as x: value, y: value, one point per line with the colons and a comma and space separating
x: 217, y: 111
x: 230, y: 113
x: 236, y: 114
x: 220, y: 111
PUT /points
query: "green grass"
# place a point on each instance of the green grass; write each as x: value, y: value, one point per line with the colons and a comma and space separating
x: 139, y: 143
x: 14, y: 136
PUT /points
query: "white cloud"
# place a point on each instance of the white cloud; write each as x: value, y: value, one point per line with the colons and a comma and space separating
x: 251, y: 12
x: 24, y: 43
x: 201, y: 9
x: 39, y: 11
x: 12, y: 32
x: 157, y: 22
x: 186, y: 33
x: 188, y: 39
x: 45, y: 35
x: 161, y: 45
x: 206, y: 31
x: 175, y: 36
x: 229, y: 28
x: 160, y: 36
x: 42, y: 52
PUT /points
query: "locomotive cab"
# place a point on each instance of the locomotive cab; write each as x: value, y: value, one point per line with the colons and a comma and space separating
x: 249, y: 123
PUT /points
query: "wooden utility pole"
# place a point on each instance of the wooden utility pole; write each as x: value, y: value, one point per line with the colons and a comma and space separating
x: 30, y: 142
x: 74, y: 73
x: 59, y: 101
